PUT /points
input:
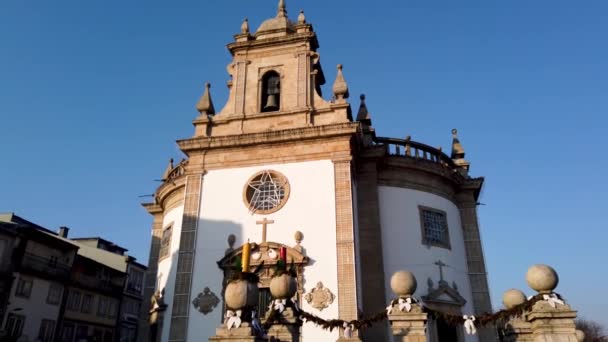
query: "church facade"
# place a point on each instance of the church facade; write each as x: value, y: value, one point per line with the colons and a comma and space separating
x: 280, y: 165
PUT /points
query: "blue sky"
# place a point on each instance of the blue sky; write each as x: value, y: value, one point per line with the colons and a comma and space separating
x: 93, y: 95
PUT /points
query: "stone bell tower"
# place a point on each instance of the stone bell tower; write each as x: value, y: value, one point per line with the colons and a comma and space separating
x: 275, y: 84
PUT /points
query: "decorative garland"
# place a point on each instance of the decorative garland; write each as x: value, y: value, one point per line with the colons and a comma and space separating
x: 470, y: 322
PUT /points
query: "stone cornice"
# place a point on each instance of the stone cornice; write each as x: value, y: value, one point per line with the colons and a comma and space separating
x: 152, y: 208
x: 275, y: 41
x: 199, y: 144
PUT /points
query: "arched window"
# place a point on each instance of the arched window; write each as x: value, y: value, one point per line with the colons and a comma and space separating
x: 271, y: 92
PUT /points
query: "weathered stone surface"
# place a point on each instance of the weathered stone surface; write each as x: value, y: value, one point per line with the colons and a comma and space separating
x: 403, y: 283
x: 542, y: 278
x: 283, y: 286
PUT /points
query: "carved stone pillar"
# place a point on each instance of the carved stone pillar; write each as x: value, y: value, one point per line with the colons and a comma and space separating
x: 244, y: 333
x: 552, y: 324
x: 518, y: 330
x: 408, y: 326
x: 287, y: 329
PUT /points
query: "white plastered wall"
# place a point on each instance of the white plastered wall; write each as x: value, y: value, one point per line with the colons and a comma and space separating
x: 309, y: 209
x: 402, y: 242
x: 35, y: 308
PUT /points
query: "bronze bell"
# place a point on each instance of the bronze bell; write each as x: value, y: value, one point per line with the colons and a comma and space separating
x: 271, y: 102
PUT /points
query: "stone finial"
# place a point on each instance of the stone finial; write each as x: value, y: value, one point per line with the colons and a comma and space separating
x: 403, y: 283
x: 298, y: 236
x: 457, y: 149
x: 231, y: 239
x: 245, y: 26
x: 512, y: 298
x: 340, y: 87
x: 458, y: 152
x: 301, y: 18
x: 282, y: 9
x: 168, y: 170
x: 363, y: 114
x: 580, y: 335
x: 542, y: 278
x: 205, y: 105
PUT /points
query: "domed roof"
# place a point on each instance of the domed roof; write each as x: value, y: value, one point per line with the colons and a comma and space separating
x: 278, y: 23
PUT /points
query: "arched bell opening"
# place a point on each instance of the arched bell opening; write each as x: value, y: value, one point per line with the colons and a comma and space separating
x: 271, y: 92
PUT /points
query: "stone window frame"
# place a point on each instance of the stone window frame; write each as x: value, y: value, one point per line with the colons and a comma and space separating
x: 86, y: 305
x: 21, y: 291
x: 444, y: 244
x: 46, y: 332
x: 262, y: 71
x: 53, y: 297
x: 286, y: 190
x: 74, y: 300
x: 164, y: 250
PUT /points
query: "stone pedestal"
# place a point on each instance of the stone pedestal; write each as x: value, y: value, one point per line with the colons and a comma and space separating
x: 408, y: 326
x: 551, y: 324
x: 518, y: 330
x: 287, y: 328
x: 244, y: 333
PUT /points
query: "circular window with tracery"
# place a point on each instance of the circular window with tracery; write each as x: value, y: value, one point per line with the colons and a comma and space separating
x: 266, y: 192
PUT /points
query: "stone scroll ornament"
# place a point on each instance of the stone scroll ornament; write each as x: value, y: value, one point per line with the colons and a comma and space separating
x: 205, y: 302
x: 320, y: 297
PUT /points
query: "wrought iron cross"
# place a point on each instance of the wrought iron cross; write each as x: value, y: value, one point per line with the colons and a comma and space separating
x: 264, y: 224
x: 441, y: 265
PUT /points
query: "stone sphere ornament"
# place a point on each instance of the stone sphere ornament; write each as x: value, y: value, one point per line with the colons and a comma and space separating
x: 240, y: 294
x: 283, y: 286
x: 403, y: 283
x: 580, y: 335
x: 512, y: 298
x: 542, y: 278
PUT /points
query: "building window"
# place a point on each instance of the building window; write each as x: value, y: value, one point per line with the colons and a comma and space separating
x: 112, y: 308
x: 87, y: 303
x: 14, y: 325
x: 74, y: 300
x: 47, y: 329
x: 165, y: 243
x: 53, y: 261
x: 54, y: 295
x: 266, y: 192
x: 102, y: 307
x: 271, y: 92
x: 24, y: 288
x: 82, y: 332
x: 67, y: 332
x: 434, y: 226
x: 136, y: 280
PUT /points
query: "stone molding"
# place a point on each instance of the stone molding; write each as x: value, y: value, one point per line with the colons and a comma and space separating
x: 199, y: 144
x: 345, y: 246
x: 185, y: 260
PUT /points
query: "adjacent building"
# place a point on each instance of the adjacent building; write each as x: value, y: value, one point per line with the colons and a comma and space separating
x: 41, y: 261
x: 53, y: 289
x: 126, y: 321
x: 94, y: 296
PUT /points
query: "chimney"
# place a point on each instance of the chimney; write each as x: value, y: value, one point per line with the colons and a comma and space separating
x: 63, y: 232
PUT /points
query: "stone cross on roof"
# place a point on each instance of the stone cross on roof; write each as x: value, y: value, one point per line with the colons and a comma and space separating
x: 264, y: 224
x: 441, y: 265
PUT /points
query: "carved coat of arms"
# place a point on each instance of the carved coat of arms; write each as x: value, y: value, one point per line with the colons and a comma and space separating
x: 205, y: 302
x: 319, y: 297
